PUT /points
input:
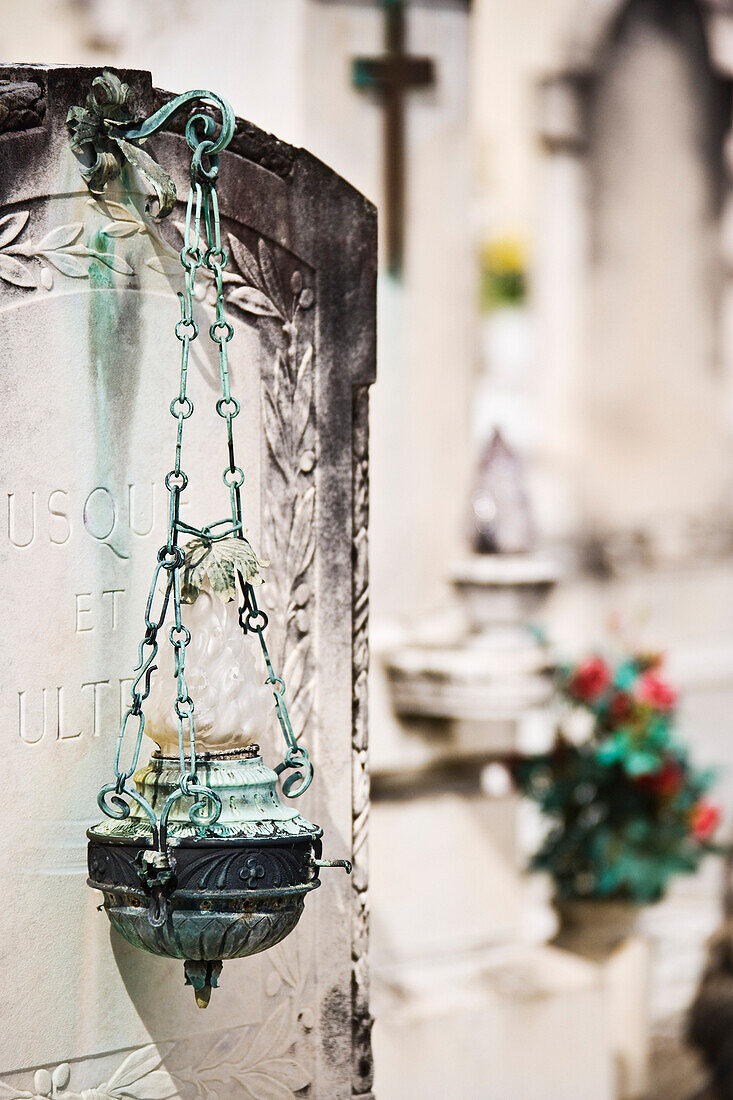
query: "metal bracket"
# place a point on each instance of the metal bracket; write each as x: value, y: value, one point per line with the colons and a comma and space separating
x: 345, y: 864
x: 107, y: 124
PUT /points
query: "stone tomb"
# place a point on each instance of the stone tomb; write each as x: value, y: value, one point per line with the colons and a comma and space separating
x: 632, y: 285
x: 89, y: 367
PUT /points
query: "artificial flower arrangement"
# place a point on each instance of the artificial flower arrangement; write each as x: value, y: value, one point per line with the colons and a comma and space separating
x: 628, y: 809
x: 503, y: 272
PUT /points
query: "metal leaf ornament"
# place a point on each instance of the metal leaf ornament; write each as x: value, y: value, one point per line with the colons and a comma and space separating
x: 103, y: 124
x: 157, y: 177
x: 219, y: 562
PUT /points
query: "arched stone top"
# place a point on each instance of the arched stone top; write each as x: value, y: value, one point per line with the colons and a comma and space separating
x: 294, y: 193
x: 595, y: 19
x: 562, y: 122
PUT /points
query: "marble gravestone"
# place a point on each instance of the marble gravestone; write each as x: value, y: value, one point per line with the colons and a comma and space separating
x: 89, y: 365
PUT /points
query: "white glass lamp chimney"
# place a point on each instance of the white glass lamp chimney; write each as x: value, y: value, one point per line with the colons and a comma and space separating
x: 233, y: 706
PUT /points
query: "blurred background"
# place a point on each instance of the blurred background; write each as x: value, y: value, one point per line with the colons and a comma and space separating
x: 551, y: 489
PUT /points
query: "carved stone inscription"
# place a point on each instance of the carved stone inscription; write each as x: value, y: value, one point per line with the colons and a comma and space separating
x: 37, y: 520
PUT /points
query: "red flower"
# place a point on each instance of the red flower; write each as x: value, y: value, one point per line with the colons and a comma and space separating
x: 620, y: 707
x: 666, y: 782
x: 654, y: 691
x: 705, y: 819
x: 590, y: 679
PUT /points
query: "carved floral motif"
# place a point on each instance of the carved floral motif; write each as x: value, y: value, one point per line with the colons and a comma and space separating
x: 259, y: 1066
x: 57, y: 251
x: 253, y: 1062
x: 361, y: 1017
x: 288, y: 536
x: 139, y: 1076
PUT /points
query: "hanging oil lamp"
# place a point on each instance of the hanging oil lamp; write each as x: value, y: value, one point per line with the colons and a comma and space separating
x: 198, y: 858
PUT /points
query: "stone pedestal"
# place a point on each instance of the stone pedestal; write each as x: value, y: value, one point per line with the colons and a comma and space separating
x: 468, y: 1000
x: 522, y: 1023
x: 490, y: 679
x: 602, y: 932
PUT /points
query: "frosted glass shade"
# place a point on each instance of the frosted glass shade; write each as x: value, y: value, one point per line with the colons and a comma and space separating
x: 225, y: 677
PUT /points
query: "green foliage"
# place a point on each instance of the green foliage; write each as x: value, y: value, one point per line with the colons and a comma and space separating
x: 627, y: 810
x: 503, y: 272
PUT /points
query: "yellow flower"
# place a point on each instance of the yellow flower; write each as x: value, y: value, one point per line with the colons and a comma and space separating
x: 506, y: 254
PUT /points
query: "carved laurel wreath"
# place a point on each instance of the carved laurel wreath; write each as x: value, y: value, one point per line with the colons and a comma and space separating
x: 261, y: 1062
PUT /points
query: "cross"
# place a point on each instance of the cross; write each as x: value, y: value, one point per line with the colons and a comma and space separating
x: 391, y: 76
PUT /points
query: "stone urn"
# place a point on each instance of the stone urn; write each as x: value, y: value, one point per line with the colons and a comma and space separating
x: 496, y: 669
x: 594, y: 927
x: 501, y: 592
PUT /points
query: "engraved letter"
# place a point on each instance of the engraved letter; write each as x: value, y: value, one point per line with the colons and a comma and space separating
x: 62, y: 515
x: 114, y: 593
x: 131, y: 505
x: 94, y: 684
x: 82, y: 611
x: 94, y: 516
x: 11, y: 523
x: 61, y: 736
x: 125, y: 694
x: 22, y: 727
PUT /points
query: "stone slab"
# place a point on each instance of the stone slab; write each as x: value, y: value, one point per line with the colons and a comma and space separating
x: 526, y: 1023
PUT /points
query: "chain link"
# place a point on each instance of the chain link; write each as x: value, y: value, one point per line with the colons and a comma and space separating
x: 170, y: 562
x: 251, y: 619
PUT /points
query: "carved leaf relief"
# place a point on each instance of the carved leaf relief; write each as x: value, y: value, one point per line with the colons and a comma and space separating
x: 13, y: 271
x: 139, y: 1077
x: 252, y: 300
x: 11, y: 225
x: 58, y: 250
x: 257, y: 288
x: 259, y: 1062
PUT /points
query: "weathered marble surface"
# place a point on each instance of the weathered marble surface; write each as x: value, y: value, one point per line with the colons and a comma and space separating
x: 87, y: 369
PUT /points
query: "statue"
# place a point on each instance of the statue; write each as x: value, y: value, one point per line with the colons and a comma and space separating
x: 501, y: 522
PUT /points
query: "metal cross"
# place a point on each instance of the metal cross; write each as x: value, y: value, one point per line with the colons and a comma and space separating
x: 391, y: 76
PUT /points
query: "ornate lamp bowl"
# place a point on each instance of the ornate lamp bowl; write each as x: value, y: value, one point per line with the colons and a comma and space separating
x: 232, y: 890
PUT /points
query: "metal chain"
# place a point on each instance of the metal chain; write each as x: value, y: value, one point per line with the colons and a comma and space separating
x: 221, y: 332
x: 176, y: 480
x: 206, y: 810
x: 202, y: 201
x: 250, y: 617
